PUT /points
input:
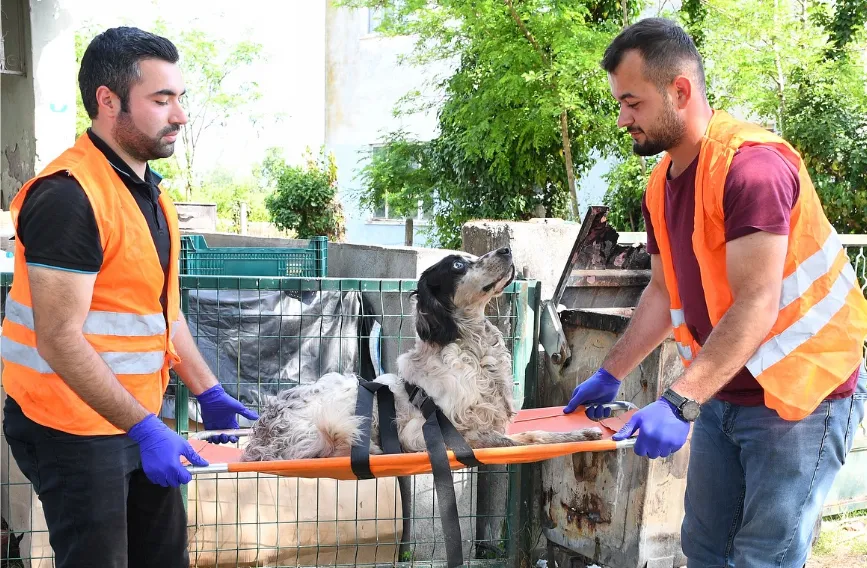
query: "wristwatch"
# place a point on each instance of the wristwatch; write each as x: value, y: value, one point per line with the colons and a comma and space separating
x: 687, y: 408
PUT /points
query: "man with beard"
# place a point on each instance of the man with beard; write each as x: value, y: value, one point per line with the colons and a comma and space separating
x: 763, y: 303
x: 93, y: 322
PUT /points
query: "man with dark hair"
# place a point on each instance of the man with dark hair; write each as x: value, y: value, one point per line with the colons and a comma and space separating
x: 93, y: 322
x: 764, y: 305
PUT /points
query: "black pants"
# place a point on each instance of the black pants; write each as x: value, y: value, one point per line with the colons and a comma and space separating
x: 101, y: 510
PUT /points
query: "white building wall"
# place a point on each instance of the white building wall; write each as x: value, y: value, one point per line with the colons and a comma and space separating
x: 364, y: 81
x: 38, y: 102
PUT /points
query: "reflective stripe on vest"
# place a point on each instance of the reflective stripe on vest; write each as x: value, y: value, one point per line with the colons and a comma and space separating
x: 97, y: 323
x: 810, y: 270
x: 120, y: 363
x: 677, y: 320
x: 772, y: 352
x: 685, y: 351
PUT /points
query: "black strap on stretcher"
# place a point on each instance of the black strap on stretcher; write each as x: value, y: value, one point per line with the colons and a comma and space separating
x: 438, y: 432
x: 360, y: 453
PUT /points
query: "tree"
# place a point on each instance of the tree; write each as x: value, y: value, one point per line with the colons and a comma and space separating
x: 397, y: 173
x: 827, y: 123
x: 627, y: 181
x: 305, y: 200
x: 213, y: 96
x: 526, y: 108
x: 83, y: 36
x: 800, y: 72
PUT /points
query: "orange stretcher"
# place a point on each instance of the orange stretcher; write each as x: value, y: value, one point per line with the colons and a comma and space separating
x: 227, y: 459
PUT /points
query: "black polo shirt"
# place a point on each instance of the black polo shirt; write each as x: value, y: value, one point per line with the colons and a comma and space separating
x: 58, y: 228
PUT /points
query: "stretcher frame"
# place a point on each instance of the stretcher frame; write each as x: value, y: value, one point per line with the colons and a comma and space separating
x: 417, y: 463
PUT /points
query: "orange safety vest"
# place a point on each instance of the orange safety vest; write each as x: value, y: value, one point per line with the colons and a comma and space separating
x: 125, y: 325
x: 817, y: 340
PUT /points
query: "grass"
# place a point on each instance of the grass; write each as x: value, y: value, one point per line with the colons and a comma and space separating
x: 842, y: 542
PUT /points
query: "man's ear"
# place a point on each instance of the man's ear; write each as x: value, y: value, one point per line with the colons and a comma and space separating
x: 683, y: 91
x: 434, y: 317
x: 107, y: 102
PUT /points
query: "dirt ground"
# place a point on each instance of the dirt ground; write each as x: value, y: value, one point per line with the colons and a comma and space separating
x: 842, y: 543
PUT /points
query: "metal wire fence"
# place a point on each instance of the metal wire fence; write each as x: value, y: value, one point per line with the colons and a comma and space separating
x: 261, y: 335
x: 856, y: 246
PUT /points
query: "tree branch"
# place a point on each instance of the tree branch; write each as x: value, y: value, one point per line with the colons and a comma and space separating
x: 567, y: 156
x: 520, y: 23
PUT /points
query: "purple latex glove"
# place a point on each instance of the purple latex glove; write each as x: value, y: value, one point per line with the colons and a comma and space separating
x: 602, y: 387
x: 161, y: 450
x: 661, y: 432
x: 219, y: 412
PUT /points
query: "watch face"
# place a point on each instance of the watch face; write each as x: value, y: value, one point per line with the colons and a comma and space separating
x: 690, y: 410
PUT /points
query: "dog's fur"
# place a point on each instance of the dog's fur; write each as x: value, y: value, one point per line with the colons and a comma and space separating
x: 459, y: 359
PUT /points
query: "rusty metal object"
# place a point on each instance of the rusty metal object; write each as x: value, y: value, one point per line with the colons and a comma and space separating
x: 613, y: 508
x: 596, y: 248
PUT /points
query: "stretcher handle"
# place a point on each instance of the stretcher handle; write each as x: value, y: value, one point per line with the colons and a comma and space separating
x: 205, y: 434
x: 617, y: 407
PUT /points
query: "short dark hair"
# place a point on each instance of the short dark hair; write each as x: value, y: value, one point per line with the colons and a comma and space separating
x: 112, y: 59
x: 665, y: 48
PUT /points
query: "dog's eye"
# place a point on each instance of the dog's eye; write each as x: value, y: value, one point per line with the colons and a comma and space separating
x: 458, y: 265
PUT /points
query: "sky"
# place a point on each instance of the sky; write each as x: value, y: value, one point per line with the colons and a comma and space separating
x: 291, y: 78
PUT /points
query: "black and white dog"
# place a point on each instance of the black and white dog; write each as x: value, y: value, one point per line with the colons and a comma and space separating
x: 459, y: 359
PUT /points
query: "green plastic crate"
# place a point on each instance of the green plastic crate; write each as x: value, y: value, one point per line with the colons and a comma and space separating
x: 198, y: 259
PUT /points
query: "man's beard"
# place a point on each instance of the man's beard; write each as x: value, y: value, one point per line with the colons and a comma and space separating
x: 664, y: 136
x: 138, y: 144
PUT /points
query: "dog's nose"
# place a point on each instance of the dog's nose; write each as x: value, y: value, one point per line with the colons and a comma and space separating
x: 504, y: 251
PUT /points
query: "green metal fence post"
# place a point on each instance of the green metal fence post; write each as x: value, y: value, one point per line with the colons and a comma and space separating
x: 524, y: 479
x: 320, y: 256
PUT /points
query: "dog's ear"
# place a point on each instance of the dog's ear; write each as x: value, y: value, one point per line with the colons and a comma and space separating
x: 434, y: 316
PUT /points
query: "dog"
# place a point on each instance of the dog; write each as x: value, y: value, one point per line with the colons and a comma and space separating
x: 459, y: 359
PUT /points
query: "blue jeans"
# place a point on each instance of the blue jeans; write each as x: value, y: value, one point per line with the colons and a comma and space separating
x: 757, y: 483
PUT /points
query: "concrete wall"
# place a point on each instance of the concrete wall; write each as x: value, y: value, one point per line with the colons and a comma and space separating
x: 38, y: 107
x: 364, y: 82
x: 347, y: 260
x: 540, y: 248
x: 197, y: 216
x: 17, y: 101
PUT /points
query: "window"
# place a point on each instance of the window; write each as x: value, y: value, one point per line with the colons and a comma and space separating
x: 374, y: 18
x: 385, y: 212
x: 12, y: 44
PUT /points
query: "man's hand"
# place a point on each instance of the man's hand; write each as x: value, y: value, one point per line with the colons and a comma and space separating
x: 648, y: 327
x: 660, y: 431
x: 602, y: 387
x: 219, y: 411
x: 161, y: 450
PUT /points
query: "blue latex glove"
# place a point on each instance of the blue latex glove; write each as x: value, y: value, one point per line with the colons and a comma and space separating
x: 219, y: 412
x: 161, y: 450
x: 602, y: 387
x: 661, y: 432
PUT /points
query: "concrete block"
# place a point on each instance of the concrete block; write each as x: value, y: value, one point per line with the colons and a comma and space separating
x: 540, y: 247
x: 197, y: 216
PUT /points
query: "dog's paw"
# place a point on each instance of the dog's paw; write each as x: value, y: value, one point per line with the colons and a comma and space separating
x: 586, y: 434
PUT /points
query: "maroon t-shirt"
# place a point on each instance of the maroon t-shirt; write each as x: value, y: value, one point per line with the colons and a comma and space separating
x: 760, y: 190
